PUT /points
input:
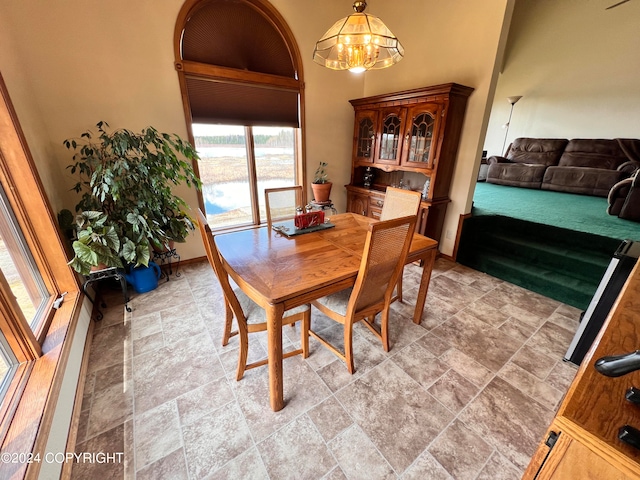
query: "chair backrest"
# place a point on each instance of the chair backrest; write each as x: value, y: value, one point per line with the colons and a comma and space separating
x: 281, y: 203
x: 400, y: 203
x: 383, y: 259
x: 216, y: 263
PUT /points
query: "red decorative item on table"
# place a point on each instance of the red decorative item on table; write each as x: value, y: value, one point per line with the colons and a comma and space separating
x: 310, y: 219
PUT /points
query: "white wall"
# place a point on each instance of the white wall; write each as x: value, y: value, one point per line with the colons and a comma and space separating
x: 577, y: 67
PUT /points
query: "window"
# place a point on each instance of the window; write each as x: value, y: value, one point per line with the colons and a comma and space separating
x: 19, y: 269
x: 241, y: 79
x: 229, y: 157
x: 34, y: 337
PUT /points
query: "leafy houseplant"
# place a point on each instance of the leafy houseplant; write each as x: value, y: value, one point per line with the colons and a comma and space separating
x: 128, y: 177
x: 97, y: 243
x: 321, y: 185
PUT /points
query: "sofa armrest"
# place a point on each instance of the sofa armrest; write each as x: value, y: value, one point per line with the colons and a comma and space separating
x: 629, y: 167
x: 497, y: 159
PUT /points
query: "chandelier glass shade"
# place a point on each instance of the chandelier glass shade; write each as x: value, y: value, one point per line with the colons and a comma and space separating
x: 357, y: 43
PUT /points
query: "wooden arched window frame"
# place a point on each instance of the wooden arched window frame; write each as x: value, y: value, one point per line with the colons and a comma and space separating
x: 238, y: 63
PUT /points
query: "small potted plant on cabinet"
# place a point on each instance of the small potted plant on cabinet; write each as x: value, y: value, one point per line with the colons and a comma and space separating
x: 128, y: 177
x: 321, y: 185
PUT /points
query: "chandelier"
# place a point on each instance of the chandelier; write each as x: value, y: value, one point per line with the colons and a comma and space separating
x: 357, y: 43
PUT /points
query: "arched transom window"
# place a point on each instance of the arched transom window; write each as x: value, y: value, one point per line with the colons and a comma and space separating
x: 241, y: 81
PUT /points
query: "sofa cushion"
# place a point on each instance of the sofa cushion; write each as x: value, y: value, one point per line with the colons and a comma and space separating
x: 594, y: 153
x: 540, y: 151
x: 516, y: 174
x: 584, y: 180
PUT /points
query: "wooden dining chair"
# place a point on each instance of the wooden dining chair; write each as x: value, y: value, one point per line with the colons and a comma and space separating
x: 250, y: 317
x: 281, y: 203
x: 385, y: 252
x: 399, y: 203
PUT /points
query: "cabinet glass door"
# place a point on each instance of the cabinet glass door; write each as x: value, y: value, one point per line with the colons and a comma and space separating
x: 365, y: 135
x: 420, y: 139
x: 389, y: 144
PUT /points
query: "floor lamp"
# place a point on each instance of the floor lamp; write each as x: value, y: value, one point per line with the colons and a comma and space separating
x: 512, y: 101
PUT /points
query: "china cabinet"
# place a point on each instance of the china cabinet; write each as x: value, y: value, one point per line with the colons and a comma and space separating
x: 407, y: 139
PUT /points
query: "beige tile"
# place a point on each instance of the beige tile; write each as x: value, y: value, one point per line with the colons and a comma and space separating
x: 486, y: 345
x: 111, y: 441
x: 542, y: 392
x: 508, y: 420
x: 386, y: 401
x: 109, y: 346
x: 181, y: 321
x: 466, y: 366
x: 204, y: 400
x: 353, y: 449
x: 435, y: 345
x: 551, y: 339
x: 170, y: 467
x: 171, y: 371
x: 246, y: 466
x: 157, y: 434
x: 215, y: 439
x: 534, y: 362
x: 499, y: 468
x: 426, y: 467
x: 111, y: 406
x: 453, y: 391
x: 285, y: 456
x: 420, y: 364
x: 462, y: 463
x: 330, y: 418
x: 302, y: 391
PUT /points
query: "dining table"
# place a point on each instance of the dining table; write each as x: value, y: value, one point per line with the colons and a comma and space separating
x: 279, y: 272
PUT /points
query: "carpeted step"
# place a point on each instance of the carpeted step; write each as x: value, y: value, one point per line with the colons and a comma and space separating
x: 561, y: 264
x: 553, y: 284
x: 575, y: 262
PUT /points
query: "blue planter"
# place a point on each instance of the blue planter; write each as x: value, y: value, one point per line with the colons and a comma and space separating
x: 144, y: 279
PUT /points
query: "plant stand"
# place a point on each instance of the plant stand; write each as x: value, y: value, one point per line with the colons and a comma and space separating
x: 98, y: 275
x: 167, y: 257
x: 328, y: 205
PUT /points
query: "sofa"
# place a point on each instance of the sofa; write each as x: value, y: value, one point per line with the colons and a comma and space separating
x: 583, y: 166
x: 624, y: 198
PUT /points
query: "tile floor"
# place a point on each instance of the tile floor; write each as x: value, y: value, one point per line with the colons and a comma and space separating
x: 466, y: 395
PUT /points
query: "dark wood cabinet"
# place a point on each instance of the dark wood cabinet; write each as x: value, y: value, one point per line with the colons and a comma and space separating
x: 409, y: 137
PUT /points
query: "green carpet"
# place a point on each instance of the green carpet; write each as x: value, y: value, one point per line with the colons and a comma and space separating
x: 553, y: 243
x: 582, y: 213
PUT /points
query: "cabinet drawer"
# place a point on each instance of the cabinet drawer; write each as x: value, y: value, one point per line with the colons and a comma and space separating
x: 375, y: 212
x: 376, y: 202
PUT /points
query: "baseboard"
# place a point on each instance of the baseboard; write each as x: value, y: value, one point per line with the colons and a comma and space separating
x: 65, y: 474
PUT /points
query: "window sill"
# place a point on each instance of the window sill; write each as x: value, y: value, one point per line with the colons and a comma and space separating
x: 28, y: 431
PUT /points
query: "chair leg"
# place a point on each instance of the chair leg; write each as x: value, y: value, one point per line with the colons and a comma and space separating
x: 384, y: 329
x: 348, y: 346
x: 227, y: 323
x: 243, y: 350
x: 305, y: 324
x: 399, y: 286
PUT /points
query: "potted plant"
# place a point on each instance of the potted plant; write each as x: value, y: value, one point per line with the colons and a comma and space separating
x: 97, y: 245
x: 129, y: 177
x: 321, y: 185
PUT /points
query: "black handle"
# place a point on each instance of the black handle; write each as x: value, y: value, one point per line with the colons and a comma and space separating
x: 629, y: 435
x: 633, y: 395
x: 618, y: 365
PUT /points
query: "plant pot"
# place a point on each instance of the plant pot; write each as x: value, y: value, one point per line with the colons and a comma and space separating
x: 100, y: 266
x: 144, y: 279
x: 321, y: 191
